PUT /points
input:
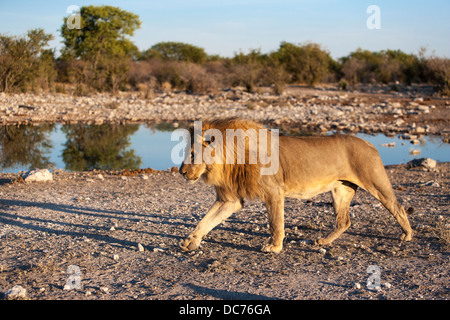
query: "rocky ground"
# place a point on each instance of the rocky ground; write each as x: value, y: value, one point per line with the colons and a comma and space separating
x: 121, y: 232
x: 115, y: 235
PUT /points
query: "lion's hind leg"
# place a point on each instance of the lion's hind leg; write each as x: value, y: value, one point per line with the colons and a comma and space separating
x: 342, y: 196
x: 387, y: 197
x: 380, y: 187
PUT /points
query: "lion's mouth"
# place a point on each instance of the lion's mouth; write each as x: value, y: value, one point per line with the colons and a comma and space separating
x: 191, y: 179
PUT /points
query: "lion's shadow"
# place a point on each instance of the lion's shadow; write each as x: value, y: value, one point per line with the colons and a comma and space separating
x: 225, y: 294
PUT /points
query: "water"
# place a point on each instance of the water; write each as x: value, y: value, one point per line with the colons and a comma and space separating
x: 85, y: 147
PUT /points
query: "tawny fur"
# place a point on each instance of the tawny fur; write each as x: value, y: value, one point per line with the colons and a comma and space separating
x: 307, y: 166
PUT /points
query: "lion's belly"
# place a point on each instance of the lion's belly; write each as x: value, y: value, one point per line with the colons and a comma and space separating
x: 307, y: 191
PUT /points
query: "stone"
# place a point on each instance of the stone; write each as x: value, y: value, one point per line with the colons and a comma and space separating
x: 422, y: 162
x: 389, y: 145
x: 16, y: 292
x: 432, y: 184
x: 419, y: 130
x: 37, y: 175
x: 356, y: 286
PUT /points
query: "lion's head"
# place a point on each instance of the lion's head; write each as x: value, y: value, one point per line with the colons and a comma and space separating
x: 206, y: 158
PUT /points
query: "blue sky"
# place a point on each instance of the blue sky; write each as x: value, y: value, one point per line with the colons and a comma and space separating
x: 225, y: 27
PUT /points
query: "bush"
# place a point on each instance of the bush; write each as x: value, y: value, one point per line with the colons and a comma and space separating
x: 307, y: 63
x: 438, y: 70
x: 176, y: 51
x: 24, y: 63
x: 197, y: 79
x: 387, y: 66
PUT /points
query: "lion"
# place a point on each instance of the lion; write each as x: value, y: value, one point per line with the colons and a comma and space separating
x: 308, y: 166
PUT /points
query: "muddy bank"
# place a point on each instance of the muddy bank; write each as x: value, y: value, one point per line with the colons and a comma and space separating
x: 122, y: 232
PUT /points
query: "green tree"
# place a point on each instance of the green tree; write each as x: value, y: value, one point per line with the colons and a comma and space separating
x: 103, y: 43
x: 176, y: 51
x: 247, y: 69
x: 24, y: 59
x: 307, y: 63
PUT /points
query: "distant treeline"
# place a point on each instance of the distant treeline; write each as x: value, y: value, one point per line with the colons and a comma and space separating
x: 99, y: 56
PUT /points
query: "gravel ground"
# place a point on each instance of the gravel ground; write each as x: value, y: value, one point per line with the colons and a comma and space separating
x: 121, y: 232
x: 113, y: 235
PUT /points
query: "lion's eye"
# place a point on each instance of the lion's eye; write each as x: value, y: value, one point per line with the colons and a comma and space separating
x: 208, y: 142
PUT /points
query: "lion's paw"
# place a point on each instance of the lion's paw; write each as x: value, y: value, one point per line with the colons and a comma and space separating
x: 272, y: 248
x: 190, y: 243
x: 406, y: 236
x: 322, y: 241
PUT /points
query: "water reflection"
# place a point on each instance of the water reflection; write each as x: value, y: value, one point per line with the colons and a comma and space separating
x: 99, y: 147
x: 86, y: 147
x: 25, y: 145
x: 114, y: 147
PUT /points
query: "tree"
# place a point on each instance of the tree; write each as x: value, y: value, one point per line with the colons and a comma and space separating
x: 24, y: 59
x: 307, y: 63
x: 176, y: 51
x: 102, y: 42
x: 103, y: 31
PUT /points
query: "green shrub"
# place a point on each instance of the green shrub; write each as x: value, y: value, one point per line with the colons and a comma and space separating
x: 25, y: 64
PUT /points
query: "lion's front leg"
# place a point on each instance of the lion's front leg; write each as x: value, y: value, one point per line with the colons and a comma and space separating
x: 275, y: 210
x: 220, y: 211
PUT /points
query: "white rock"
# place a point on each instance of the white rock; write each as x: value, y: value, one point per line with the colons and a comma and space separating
x: 322, y: 251
x: 140, y: 247
x: 432, y: 184
x: 357, y: 286
x: 37, y: 175
x: 104, y: 289
x: 422, y: 162
x: 16, y: 292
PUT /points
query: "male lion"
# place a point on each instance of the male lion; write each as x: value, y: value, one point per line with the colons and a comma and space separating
x: 307, y: 166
